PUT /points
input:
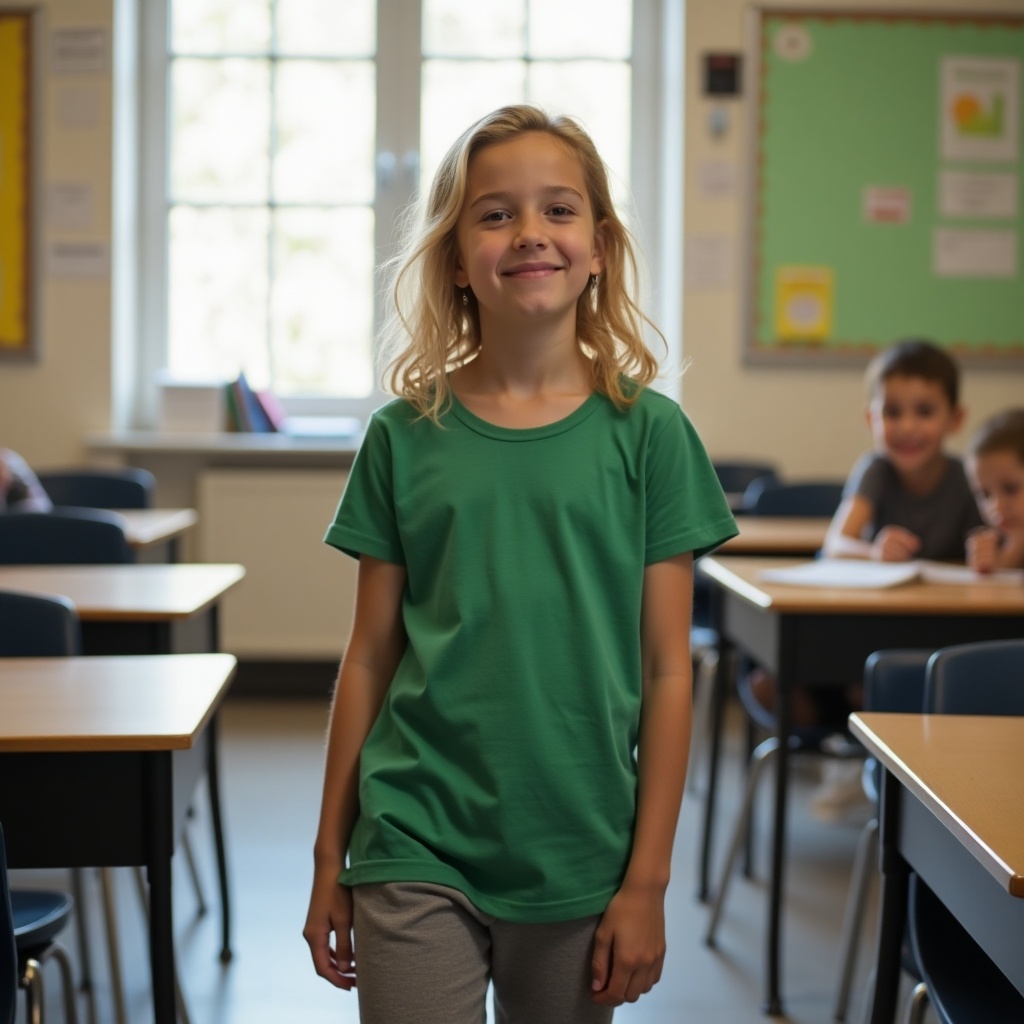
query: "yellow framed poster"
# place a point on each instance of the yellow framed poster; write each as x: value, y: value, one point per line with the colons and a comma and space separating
x: 16, y: 320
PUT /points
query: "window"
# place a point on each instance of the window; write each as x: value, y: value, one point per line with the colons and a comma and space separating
x: 284, y: 138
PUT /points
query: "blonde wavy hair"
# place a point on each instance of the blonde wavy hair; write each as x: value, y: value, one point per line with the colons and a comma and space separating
x: 430, y: 331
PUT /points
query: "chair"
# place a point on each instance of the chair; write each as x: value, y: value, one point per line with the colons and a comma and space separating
x: 30, y: 921
x: 736, y: 477
x: 67, y: 537
x: 100, y: 488
x: 768, y: 497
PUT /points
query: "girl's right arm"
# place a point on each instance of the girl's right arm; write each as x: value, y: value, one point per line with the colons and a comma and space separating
x: 371, y: 657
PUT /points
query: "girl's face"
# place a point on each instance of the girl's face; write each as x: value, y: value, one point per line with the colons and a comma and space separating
x: 527, y: 241
x: 998, y: 479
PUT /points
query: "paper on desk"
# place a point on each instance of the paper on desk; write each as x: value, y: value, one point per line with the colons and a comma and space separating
x: 855, y: 573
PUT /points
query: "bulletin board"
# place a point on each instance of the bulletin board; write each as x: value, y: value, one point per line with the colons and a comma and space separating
x: 886, y: 184
x: 16, y: 327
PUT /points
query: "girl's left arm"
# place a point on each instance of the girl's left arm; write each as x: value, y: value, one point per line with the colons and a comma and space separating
x: 629, y: 946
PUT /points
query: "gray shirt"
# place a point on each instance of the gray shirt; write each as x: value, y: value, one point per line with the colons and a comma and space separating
x: 941, y: 519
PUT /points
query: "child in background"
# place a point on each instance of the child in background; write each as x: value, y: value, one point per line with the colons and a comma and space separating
x: 509, y: 736
x: 995, y: 462
x: 908, y: 498
x: 20, y: 489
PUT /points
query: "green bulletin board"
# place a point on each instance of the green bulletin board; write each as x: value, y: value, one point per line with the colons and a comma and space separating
x: 887, y: 184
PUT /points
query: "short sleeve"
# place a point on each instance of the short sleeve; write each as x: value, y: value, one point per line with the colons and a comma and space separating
x: 686, y: 507
x: 365, y: 522
x: 867, y: 479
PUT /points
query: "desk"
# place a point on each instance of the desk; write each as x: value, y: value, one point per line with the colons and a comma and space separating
x: 957, y: 829
x: 98, y: 760
x: 812, y: 635
x: 146, y: 609
x: 771, y: 535
x: 147, y: 528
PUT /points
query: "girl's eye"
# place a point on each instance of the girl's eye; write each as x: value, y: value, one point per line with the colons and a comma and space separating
x: 561, y: 211
x: 495, y: 215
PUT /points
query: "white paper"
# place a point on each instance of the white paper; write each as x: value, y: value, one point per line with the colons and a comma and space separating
x: 847, y: 573
x: 78, y: 107
x: 963, y: 252
x: 945, y: 572
x: 708, y: 262
x: 78, y: 259
x: 69, y: 205
x: 978, y: 194
x: 979, y: 112
x: 716, y: 179
x: 80, y: 50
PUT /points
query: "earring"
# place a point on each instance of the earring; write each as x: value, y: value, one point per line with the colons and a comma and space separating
x: 465, y: 299
x: 594, y: 278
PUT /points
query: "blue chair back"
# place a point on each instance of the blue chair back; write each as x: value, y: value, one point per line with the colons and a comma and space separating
x: 736, y: 477
x: 8, y: 946
x: 79, y: 537
x: 813, y: 498
x: 100, y: 488
x: 38, y: 626
x: 977, y: 679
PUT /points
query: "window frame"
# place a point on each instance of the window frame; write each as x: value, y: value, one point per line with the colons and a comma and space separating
x: 655, y: 167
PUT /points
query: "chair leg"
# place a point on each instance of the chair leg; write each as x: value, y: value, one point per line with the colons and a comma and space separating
x: 179, y: 997
x: 748, y: 842
x: 759, y: 760
x: 704, y: 680
x: 84, y: 946
x: 918, y: 1004
x: 853, y: 915
x: 32, y: 983
x: 113, y: 946
x: 59, y: 954
x: 190, y: 860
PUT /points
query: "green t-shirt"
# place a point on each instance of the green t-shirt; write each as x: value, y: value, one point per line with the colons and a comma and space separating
x: 503, y: 759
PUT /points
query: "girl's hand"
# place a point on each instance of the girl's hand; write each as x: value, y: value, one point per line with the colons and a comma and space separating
x: 330, y: 910
x: 894, y: 544
x: 629, y: 946
x: 983, y: 549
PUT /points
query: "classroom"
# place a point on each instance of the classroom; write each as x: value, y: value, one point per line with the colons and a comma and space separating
x: 209, y: 312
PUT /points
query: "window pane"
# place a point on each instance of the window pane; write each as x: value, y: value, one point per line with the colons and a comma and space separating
x: 470, y: 28
x: 325, y: 132
x: 581, y: 28
x: 595, y: 93
x: 220, y: 26
x: 322, y: 313
x: 217, y: 294
x: 220, y: 130
x: 337, y: 28
x: 457, y: 93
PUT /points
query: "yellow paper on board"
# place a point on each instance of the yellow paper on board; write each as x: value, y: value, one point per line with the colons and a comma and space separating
x: 13, y: 183
x: 804, y: 299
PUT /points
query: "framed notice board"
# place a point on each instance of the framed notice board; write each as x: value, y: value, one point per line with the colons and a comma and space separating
x: 16, y: 328
x: 886, y: 184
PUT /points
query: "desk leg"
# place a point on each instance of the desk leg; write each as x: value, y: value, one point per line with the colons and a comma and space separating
x: 213, y: 780
x: 158, y: 869
x: 787, y: 658
x: 893, y: 918
x: 718, y: 697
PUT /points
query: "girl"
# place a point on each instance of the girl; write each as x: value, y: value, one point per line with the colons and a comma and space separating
x: 995, y: 462
x: 525, y: 517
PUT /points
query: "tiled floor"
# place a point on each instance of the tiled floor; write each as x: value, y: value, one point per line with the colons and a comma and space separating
x: 272, y: 753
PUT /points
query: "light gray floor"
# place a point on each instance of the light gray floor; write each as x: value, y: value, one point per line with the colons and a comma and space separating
x: 272, y: 758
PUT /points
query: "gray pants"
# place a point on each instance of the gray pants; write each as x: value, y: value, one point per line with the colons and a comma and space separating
x: 425, y: 955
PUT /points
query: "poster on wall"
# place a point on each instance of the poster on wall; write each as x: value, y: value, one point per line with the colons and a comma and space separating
x: 16, y: 327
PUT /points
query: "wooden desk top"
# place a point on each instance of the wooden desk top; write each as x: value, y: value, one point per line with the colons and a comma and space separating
x: 123, y: 593
x: 967, y: 770
x: 144, y: 527
x: 741, y: 576
x: 777, y: 535
x: 146, y: 702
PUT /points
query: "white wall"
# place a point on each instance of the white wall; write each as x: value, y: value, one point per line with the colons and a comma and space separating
x: 46, y: 406
x: 808, y: 421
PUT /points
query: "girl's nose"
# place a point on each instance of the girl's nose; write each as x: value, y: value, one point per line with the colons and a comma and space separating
x: 530, y: 233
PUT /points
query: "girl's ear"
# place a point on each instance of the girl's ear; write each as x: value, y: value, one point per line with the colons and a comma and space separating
x: 459, y: 276
x: 597, y: 259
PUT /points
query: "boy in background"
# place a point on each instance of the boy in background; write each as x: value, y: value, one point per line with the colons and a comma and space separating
x: 995, y: 463
x: 908, y: 498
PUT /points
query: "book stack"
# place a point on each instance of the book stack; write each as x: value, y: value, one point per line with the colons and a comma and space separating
x: 253, y: 412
